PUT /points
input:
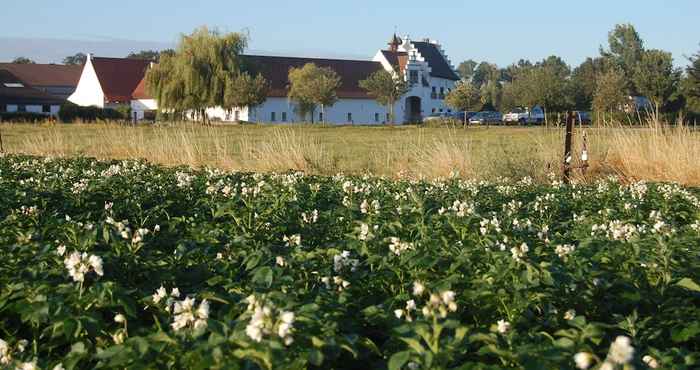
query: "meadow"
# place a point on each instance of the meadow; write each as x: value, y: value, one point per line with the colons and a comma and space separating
x: 654, y: 151
x: 126, y: 264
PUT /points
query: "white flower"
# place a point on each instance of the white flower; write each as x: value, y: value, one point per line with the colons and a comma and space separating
x: 119, y: 318
x: 503, y: 326
x: 61, y: 250
x: 159, y: 294
x: 569, y: 315
x: 418, y: 288
x: 606, y: 366
x: 59, y: 366
x: 186, y: 315
x: 279, y: 261
x: 364, y: 231
x: 80, y: 264
x: 27, y: 366
x: 621, y: 350
x: 650, y: 361
x: 583, y: 360
x: 398, y: 313
x: 290, y: 241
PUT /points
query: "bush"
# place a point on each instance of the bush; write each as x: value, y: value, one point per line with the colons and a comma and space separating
x: 23, y: 117
x: 70, y: 112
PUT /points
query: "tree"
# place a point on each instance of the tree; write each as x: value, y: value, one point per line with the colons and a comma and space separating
x: 625, y: 51
x: 545, y: 84
x: 584, y: 79
x: 75, y: 60
x: 153, y: 55
x: 465, y: 96
x: 609, y: 94
x: 490, y: 94
x: 386, y: 88
x: 23, y: 60
x: 311, y: 86
x: 485, y: 72
x: 691, y: 85
x: 245, y: 91
x: 512, y: 71
x: 466, y: 69
x: 200, y: 73
x: 656, y: 78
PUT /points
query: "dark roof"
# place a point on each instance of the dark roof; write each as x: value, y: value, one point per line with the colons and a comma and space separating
x: 276, y: 71
x: 396, y: 59
x: 22, y: 94
x: 42, y: 75
x: 119, y: 76
x: 438, y: 65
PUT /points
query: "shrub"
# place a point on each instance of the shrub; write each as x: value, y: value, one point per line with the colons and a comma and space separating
x: 23, y: 117
x: 70, y: 112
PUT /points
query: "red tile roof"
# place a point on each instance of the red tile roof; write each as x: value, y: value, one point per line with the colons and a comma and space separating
x: 119, y: 77
x: 276, y: 71
x: 140, y: 91
x: 42, y: 75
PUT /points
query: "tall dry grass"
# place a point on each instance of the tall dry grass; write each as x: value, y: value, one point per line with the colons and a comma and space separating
x: 656, y: 152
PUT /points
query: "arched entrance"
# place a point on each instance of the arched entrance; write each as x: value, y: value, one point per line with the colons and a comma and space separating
x: 413, y: 109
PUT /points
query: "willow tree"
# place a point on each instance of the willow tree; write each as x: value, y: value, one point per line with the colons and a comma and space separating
x: 312, y: 86
x: 204, y: 71
x: 386, y: 88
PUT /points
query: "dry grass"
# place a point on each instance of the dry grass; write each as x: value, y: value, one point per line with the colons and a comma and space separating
x: 655, y: 152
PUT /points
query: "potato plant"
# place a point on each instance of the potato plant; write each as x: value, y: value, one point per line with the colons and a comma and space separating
x: 123, y: 264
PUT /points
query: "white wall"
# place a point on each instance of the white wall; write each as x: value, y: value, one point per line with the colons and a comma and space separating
x: 141, y: 105
x: 89, y: 91
x: 10, y: 108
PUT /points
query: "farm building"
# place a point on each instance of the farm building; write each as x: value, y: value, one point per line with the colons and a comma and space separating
x: 16, y: 96
x: 114, y: 82
x: 54, y: 79
x: 422, y: 63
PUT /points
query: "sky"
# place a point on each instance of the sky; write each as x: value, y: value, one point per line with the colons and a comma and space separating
x: 497, y: 31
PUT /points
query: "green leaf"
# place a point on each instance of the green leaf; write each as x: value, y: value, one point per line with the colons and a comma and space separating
x: 399, y: 359
x: 315, y: 357
x: 689, y: 284
x: 263, y: 276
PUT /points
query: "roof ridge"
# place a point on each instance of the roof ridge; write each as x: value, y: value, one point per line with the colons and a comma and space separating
x: 315, y: 58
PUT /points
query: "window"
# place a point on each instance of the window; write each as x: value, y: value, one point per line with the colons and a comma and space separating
x: 388, y: 117
x: 433, y: 95
x: 449, y: 111
x: 3, y: 108
x: 320, y: 116
x: 237, y: 116
x: 349, y: 117
x: 413, y: 77
x: 284, y: 116
x: 440, y: 110
x: 442, y: 93
x: 272, y: 116
x: 45, y: 108
x: 21, y: 108
x: 13, y: 84
x: 376, y: 117
x: 433, y: 111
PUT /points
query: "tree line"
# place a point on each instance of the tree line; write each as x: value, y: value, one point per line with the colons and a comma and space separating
x: 602, y: 83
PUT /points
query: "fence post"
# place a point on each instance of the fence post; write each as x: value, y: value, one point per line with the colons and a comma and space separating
x: 568, y: 143
x: 2, y: 150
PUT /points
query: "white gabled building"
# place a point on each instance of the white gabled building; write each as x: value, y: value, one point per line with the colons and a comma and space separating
x: 422, y: 63
x: 114, y: 82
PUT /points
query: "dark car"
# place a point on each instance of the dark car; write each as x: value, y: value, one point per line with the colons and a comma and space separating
x: 580, y: 117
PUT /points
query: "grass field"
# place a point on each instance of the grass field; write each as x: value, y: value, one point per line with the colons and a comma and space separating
x: 476, y: 152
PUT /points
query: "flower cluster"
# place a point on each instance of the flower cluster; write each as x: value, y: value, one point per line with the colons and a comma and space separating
x: 292, y: 241
x: 397, y: 247
x: 187, y: 316
x: 310, y: 218
x: 563, y: 250
x: 519, y: 252
x: 6, y: 351
x: 162, y: 293
x: 438, y: 305
x: 343, y: 262
x: 80, y: 264
x: 266, y: 320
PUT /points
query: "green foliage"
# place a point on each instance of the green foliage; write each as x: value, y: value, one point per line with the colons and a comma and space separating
x: 546, y: 84
x: 584, y: 80
x: 23, y: 60
x: 290, y: 271
x: 153, y: 55
x: 246, y: 91
x: 625, y: 51
x: 75, y: 60
x: 201, y: 73
x: 465, y: 96
x: 466, y: 69
x: 312, y: 86
x: 386, y: 88
x: 22, y: 117
x: 71, y: 112
x: 609, y: 95
x: 655, y: 77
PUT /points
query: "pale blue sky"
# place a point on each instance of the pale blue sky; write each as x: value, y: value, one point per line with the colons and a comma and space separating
x: 495, y: 30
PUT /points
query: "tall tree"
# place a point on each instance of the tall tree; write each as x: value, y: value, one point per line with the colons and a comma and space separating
x: 545, y: 84
x: 153, y: 55
x: 74, y: 60
x: 625, y: 50
x: 484, y: 73
x: 609, y: 94
x: 311, y: 86
x: 200, y: 73
x: 512, y: 71
x: 656, y: 78
x: 691, y: 85
x: 386, y: 88
x: 466, y: 69
x: 465, y: 96
x: 23, y: 60
x: 584, y: 79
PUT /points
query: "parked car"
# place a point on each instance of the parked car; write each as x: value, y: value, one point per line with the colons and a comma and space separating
x: 486, y: 117
x: 463, y: 116
x: 524, y: 115
x: 439, y: 116
x: 581, y: 117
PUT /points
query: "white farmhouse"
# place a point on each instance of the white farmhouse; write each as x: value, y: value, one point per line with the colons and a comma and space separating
x: 114, y: 82
x: 422, y: 63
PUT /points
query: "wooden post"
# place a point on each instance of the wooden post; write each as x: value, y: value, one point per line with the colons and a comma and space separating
x: 2, y: 150
x: 568, y: 143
